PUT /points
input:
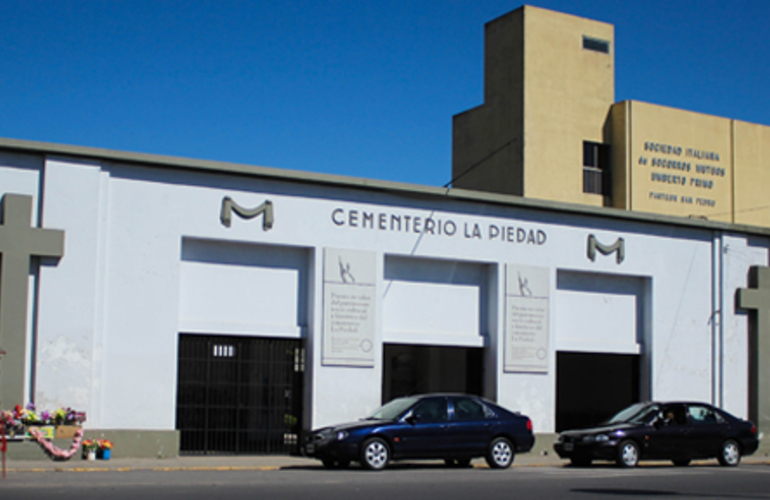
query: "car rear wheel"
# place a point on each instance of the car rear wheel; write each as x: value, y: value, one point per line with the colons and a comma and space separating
x: 375, y: 454
x: 730, y: 456
x: 628, y: 454
x: 500, y: 453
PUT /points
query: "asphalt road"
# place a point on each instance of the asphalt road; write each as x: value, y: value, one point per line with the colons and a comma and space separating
x: 400, y: 483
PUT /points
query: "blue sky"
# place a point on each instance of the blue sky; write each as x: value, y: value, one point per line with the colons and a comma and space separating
x: 358, y: 88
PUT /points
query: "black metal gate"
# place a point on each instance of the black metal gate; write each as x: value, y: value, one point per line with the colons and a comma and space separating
x: 239, y: 395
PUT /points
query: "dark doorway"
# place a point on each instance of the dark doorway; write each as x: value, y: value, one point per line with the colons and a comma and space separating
x: 414, y: 369
x: 239, y: 395
x: 592, y: 387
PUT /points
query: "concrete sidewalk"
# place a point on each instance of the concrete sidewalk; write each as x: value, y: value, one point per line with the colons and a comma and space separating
x: 266, y: 463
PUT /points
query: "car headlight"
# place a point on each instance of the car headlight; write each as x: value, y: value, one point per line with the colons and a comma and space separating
x: 341, y: 435
x: 599, y: 438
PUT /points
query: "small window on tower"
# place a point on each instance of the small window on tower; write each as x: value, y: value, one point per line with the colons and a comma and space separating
x: 596, y: 45
x: 596, y: 168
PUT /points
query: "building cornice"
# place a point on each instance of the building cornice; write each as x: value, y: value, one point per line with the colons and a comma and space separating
x: 398, y: 188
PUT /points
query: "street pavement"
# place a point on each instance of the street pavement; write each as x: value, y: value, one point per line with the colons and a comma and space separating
x: 256, y: 462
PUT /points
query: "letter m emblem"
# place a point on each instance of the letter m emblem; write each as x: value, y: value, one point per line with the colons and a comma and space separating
x: 229, y: 206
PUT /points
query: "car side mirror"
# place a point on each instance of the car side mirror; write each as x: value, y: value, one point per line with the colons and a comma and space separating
x: 412, y: 419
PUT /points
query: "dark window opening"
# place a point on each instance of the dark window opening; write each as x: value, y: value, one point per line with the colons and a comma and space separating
x: 596, y: 169
x: 592, y: 387
x: 596, y: 45
x: 417, y: 369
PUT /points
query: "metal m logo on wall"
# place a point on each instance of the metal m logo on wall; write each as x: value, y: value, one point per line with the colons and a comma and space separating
x: 229, y: 206
x: 20, y: 242
x: 619, y: 248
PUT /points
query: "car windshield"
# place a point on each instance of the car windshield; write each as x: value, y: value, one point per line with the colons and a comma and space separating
x: 638, y: 413
x: 392, y: 410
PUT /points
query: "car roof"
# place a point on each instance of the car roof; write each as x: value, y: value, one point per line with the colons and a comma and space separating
x: 669, y: 403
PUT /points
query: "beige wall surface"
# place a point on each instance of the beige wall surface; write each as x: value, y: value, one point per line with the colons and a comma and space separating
x: 568, y: 94
x: 680, y: 162
x: 752, y: 173
x: 544, y: 95
x: 620, y: 152
x: 487, y: 141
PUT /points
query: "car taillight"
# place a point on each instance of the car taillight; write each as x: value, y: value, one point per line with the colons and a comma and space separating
x: 529, y: 425
x: 753, y: 429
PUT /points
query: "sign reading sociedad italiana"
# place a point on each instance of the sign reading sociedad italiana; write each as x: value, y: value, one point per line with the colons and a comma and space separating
x: 683, y: 175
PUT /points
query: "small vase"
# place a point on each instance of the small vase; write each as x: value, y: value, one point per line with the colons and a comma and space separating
x: 91, y: 455
x: 105, y: 454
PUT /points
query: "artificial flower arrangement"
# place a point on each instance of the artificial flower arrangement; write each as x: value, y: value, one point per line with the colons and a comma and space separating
x: 29, y: 416
x: 13, y: 426
x: 20, y: 421
x: 53, y: 451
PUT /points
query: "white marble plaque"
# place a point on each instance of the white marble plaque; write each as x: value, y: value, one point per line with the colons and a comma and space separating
x: 526, y: 319
x: 350, y: 303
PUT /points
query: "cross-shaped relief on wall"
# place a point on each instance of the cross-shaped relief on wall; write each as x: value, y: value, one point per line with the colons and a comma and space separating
x: 19, y: 243
x: 756, y: 298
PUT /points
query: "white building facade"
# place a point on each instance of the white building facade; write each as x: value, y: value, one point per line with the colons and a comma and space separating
x: 381, y: 289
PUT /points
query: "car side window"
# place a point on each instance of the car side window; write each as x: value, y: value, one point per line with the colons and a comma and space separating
x: 468, y: 409
x: 674, y: 415
x: 431, y: 410
x: 700, y: 415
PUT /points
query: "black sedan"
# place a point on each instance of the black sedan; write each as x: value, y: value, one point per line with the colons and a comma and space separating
x: 676, y: 431
x: 452, y: 427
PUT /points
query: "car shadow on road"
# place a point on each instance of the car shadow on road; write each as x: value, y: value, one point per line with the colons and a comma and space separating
x: 391, y: 466
x: 662, y: 463
x: 630, y: 492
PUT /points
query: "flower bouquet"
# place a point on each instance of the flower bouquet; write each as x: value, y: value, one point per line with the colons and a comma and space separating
x: 89, y: 449
x: 105, y: 449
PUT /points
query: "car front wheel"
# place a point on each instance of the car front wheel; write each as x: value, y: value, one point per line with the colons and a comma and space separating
x: 730, y: 456
x: 500, y: 453
x: 375, y: 454
x: 628, y: 454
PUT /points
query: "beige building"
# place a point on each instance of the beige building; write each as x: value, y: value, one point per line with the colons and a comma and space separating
x: 549, y: 128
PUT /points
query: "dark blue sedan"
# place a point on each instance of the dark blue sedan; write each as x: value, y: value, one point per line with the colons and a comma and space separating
x: 452, y: 427
x: 676, y: 431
